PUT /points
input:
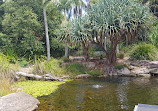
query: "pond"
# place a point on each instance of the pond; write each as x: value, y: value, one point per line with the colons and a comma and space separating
x: 102, y: 94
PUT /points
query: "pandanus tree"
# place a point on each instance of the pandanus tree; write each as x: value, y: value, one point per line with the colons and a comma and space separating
x: 111, y: 19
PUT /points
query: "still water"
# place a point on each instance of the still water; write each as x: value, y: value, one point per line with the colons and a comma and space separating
x: 102, y: 94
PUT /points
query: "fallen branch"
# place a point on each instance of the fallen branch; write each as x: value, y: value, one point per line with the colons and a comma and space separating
x: 46, y: 77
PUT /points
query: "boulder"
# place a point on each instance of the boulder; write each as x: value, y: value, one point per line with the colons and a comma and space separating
x: 79, y: 58
x: 153, y: 64
x: 154, y: 71
x: 140, y: 70
x: 18, y: 102
x: 139, y: 63
x: 124, y: 71
x: 81, y: 76
x: 144, y: 75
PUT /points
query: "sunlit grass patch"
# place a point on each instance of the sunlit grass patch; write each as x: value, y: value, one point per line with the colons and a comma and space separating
x: 38, y: 88
x: 5, y: 87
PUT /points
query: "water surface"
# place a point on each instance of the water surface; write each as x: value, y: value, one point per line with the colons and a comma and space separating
x: 102, y: 94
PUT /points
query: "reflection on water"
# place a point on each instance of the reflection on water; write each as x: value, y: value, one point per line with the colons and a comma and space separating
x: 110, y: 94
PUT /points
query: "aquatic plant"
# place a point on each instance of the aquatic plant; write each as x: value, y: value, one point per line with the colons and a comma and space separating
x: 38, y: 88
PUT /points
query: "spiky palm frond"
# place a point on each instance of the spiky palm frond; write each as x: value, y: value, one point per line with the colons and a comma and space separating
x: 111, y: 17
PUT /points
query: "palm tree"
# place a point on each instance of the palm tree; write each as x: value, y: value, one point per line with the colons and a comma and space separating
x: 45, y: 2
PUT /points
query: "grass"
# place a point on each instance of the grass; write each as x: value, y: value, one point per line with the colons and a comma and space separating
x: 7, y: 71
x: 44, y: 67
x: 120, y: 66
x: 75, y: 68
x: 5, y: 87
x: 38, y: 88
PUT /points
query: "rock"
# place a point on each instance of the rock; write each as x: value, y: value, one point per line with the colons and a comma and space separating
x: 139, y: 63
x: 81, y: 76
x: 99, y: 53
x: 101, y: 76
x: 79, y: 58
x: 154, y: 71
x: 132, y: 67
x: 90, y: 65
x: 18, y: 102
x: 140, y: 70
x: 153, y: 64
x: 124, y: 71
x: 144, y: 75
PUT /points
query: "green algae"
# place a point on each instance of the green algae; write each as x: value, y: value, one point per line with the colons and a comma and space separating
x: 38, y: 88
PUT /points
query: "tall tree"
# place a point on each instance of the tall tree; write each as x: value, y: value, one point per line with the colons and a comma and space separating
x: 46, y: 32
x: 45, y: 2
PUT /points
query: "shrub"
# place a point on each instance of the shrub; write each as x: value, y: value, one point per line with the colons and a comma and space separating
x: 144, y: 51
x: 44, y: 67
x: 6, y: 71
x: 75, y: 68
x: 95, y: 72
x: 153, y: 34
x: 120, y: 66
x: 5, y: 86
x: 121, y: 55
x: 64, y: 59
x: 23, y: 63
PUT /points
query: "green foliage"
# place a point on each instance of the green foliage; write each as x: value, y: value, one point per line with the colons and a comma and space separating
x: 13, y: 58
x: 5, y: 87
x: 112, y: 17
x: 45, y: 67
x: 153, y: 34
x: 76, y: 68
x: 120, y: 66
x: 57, y: 48
x: 6, y: 69
x: 144, y: 51
x: 38, y: 88
x: 121, y: 55
x: 23, y: 28
x: 23, y: 63
x: 20, y: 24
x: 64, y: 59
x: 95, y: 72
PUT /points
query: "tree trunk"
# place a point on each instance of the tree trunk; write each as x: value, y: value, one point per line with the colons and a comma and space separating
x: 46, y: 32
x: 105, y: 44
x: 117, y: 49
x: 111, y: 59
x: 86, y: 51
x: 66, y: 49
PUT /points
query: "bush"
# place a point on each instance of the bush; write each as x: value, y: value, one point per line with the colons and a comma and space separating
x: 64, y: 59
x: 95, y: 72
x: 121, y: 55
x: 120, y: 66
x: 44, y: 67
x: 153, y: 34
x: 23, y: 63
x: 144, y: 51
x: 75, y: 68
x: 6, y: 70
x: 5, y: 87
